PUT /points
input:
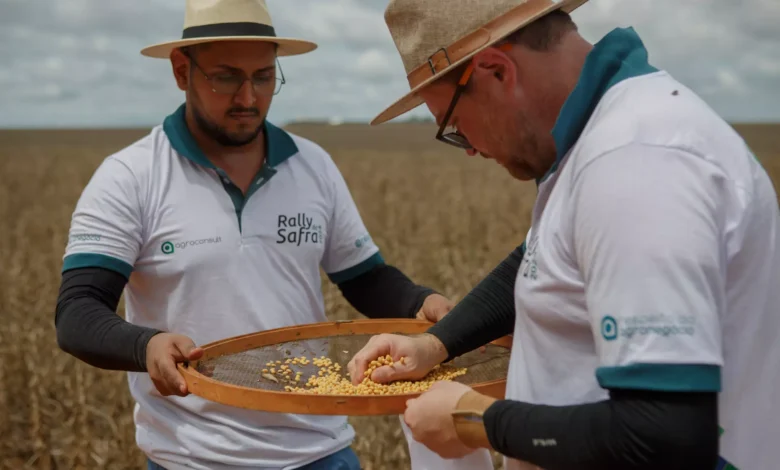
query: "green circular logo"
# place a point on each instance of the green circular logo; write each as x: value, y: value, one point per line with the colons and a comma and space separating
x: 167, y: 248
x: 609, y: 328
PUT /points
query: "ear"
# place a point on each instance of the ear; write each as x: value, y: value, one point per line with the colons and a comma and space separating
x: 496, y: 66
x: 181, y: 69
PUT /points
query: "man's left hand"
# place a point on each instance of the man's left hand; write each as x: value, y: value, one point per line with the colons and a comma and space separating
x: 434, y: 308
x: 430, y: 420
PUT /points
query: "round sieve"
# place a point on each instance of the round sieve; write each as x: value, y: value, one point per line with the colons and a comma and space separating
x: 231, y: 370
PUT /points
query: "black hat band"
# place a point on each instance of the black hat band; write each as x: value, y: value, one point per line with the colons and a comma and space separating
x: 228, y: 29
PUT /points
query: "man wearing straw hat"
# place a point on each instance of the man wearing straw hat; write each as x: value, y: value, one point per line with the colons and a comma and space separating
x: 218, y: 223
x: 647, y: 299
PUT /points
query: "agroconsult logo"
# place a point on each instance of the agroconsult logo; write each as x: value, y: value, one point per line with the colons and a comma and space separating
x: 609, y: 328
x: 169, y: 247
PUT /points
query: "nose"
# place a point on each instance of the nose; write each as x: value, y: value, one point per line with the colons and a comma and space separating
x: 245, y: 96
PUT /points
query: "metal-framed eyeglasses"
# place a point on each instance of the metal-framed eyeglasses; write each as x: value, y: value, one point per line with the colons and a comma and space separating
x: 229, y: 83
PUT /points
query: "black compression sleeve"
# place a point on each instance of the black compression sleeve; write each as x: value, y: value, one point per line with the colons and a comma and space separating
x: 88, y: 326
x: 633, y: 430
x: 385, y: 292
x: 485, y: 314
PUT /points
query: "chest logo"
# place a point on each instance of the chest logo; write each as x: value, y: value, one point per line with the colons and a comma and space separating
x: 528, y: 267
x: 298, y: 228
x: 169, y: 247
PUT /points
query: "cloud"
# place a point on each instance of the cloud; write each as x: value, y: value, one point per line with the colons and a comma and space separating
x: 77, y: 62
x: 723, y: 50
x: 374, y: 64
x: 351, y: 22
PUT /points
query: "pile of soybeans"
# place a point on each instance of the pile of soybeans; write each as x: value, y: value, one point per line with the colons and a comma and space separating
x: 329, y: 380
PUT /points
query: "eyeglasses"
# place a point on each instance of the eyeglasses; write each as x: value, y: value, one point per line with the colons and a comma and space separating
x: 456, y: 138
x: 228, y: 83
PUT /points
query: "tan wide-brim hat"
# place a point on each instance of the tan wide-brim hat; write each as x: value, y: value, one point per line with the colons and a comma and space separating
x: 228, y: 20
x: 435, y: 36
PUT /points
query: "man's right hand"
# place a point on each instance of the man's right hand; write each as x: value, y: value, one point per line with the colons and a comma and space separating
x: 421, y: 354
x: 163, y: 351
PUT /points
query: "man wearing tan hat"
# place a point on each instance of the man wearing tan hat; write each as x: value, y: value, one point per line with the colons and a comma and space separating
x: 646, y: 292
x: 217, y: 223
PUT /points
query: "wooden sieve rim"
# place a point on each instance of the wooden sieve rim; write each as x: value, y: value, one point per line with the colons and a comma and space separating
x: 304, y: 403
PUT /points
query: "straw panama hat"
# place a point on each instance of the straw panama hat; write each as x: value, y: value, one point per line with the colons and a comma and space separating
x: 435, y: 36
x: 228, y: 20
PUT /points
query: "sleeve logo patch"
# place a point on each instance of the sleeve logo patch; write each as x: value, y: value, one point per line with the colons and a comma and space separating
x: 364, y: 240
x: 644, y: 325
x: 85, y: 237
x: 609, y: 328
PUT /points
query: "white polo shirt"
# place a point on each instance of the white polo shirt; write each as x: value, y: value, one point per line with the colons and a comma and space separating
x: 205, y: 262
x: 653, y: 261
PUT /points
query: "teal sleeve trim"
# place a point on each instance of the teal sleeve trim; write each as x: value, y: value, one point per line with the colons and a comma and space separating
x: 94, y: 260
x: 662, y: 377
x: 361, y: 268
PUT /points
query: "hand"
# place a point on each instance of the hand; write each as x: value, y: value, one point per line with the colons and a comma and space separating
x: 430, y: 420
x: 421, y: 354
x: 163, y: 351
x: 434, y: 308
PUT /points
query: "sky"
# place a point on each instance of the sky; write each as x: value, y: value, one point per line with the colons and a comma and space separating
x: 77, y: 63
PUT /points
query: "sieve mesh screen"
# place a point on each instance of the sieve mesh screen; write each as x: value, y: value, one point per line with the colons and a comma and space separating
x: 245, y: 368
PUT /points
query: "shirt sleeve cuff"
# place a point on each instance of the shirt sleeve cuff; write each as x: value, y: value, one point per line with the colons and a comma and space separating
x: 662, y: 377
x: 96, y: 260
x: 356, y: 270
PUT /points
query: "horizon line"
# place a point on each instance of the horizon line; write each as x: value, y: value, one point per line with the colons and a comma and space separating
x: 322, y: 122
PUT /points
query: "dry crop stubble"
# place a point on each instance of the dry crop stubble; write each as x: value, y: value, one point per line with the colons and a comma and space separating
x: 443, y: 218
x: 429, y: 212
x: 60, y: 413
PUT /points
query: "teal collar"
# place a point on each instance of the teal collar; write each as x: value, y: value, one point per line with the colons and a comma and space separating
x: 278, y: 143
x: 618, y: 56
x: 279, y: 147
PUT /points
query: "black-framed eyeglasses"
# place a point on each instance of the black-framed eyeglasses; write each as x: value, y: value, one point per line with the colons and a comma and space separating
x: 228, y: 83
x: 456, y: 138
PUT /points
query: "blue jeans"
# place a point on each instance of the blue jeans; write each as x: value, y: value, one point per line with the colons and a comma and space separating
x: 345, y: 459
